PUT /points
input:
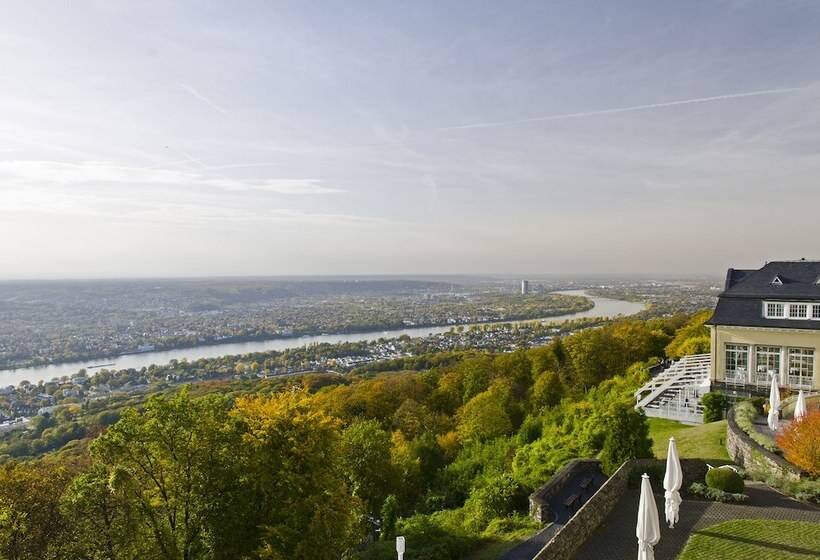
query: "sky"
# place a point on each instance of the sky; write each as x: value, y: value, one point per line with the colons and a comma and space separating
x: 265, y: 138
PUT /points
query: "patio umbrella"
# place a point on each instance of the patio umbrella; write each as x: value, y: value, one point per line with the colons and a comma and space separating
x: 800, y: 407
x: 648, y: 530
x: 672, y: 481
x: 774, y: 405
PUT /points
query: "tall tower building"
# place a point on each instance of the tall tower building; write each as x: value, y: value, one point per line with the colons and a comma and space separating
x: 525, y: 287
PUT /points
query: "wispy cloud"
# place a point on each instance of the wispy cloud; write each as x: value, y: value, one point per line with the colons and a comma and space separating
x: 57, y: 173
x: 191, y: 90
x: 629, y: 109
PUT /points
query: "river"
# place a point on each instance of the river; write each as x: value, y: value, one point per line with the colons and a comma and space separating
x: 604, y: 307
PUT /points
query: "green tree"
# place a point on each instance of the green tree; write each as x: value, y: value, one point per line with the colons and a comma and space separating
x: 713, y: 406
x: 483, y: 418
x: 497, y: 497
x: 389, y: 517
x: 627, y: 437
x: 366, y: 463
x: 692, y: 338
x: 105, y: 527
x: 547, y: 391
x: 177, y: 464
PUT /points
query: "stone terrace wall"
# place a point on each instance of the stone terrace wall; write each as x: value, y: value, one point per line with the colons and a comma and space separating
x: 751, y: 455
x: 567, y: 541
x: 577, y: 530
x: 539, y: 500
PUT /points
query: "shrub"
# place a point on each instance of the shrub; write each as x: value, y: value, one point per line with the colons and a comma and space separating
x: 496, y: 498
x: 724, y: 479
x: 800, y: 442
x: 700, y: 489
x: 713, y: 406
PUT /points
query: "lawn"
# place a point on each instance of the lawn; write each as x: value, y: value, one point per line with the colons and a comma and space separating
x: 706, y: 441
x: 756, y: 539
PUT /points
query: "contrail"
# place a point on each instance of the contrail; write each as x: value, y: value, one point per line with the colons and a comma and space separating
x: 202, y: 98
x: 624, y: 109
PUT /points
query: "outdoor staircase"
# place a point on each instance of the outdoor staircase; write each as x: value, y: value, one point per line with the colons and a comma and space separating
x: 675, y: 392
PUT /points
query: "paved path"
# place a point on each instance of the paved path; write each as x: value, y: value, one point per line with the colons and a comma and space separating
x: 615, y: 538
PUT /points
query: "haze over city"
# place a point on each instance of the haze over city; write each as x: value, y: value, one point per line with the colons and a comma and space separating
x: 186, y: 139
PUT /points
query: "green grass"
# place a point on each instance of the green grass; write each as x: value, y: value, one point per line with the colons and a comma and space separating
x: 706, y: 441
x: 755, y: 539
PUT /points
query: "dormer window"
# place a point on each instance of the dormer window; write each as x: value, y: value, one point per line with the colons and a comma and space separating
x: 775, y: 310
x: 777, y: 281
x: 803, y: 311
x: 798, y: 310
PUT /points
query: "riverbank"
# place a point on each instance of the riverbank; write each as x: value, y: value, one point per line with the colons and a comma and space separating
x: 603, y: 307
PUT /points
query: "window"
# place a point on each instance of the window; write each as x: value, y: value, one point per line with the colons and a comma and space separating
x: 801, y: 367
x: 775, y: 310
x: 798, y: 310
x: 767, y: 359
x: 737, y: 360
x: 802, y: 311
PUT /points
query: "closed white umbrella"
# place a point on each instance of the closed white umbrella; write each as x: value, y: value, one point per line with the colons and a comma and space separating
x: 800, y: 407
x: 774, y: 405
x: 648, y: 530
x: 672, y: 481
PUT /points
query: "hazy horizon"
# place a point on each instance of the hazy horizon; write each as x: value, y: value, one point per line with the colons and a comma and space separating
x: 190, y: 139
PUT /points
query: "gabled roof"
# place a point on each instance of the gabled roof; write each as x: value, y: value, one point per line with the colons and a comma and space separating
x: 740, y: 304
x: 776, y: 280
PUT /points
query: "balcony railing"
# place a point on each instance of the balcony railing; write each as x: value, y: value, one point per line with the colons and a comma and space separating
x: 735, y: 377
x: 800, y: 381
x: 764, y: 379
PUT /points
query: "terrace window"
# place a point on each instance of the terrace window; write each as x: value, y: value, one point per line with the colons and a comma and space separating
x: 737, y: 362
x: 767, y: 359
x: 798, y: 310
x: 801, y: 367
x: 815, y: 313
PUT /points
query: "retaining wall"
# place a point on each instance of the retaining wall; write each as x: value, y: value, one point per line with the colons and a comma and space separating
x: 577, y: 530
x: 752, y: 456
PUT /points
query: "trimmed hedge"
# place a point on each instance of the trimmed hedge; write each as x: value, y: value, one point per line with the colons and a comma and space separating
x: 725, y: 479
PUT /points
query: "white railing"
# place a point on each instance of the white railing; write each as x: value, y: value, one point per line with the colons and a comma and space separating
x: 800, y: 381
x: 735, y: 377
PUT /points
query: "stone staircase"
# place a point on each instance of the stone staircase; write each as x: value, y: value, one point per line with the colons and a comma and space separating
x: 675, y: 392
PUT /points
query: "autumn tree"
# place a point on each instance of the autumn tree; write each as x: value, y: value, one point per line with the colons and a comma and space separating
x: 800, y: 442
x: 295, y: 470
x: 32, y: 526
x: 483, y: 418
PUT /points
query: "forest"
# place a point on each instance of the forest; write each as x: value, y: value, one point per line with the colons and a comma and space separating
x: 328, y: 467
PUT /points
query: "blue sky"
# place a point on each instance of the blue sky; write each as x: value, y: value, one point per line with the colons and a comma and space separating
x: 198, y: 138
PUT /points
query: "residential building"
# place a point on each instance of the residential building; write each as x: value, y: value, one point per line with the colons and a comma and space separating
x: 767, y: 323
